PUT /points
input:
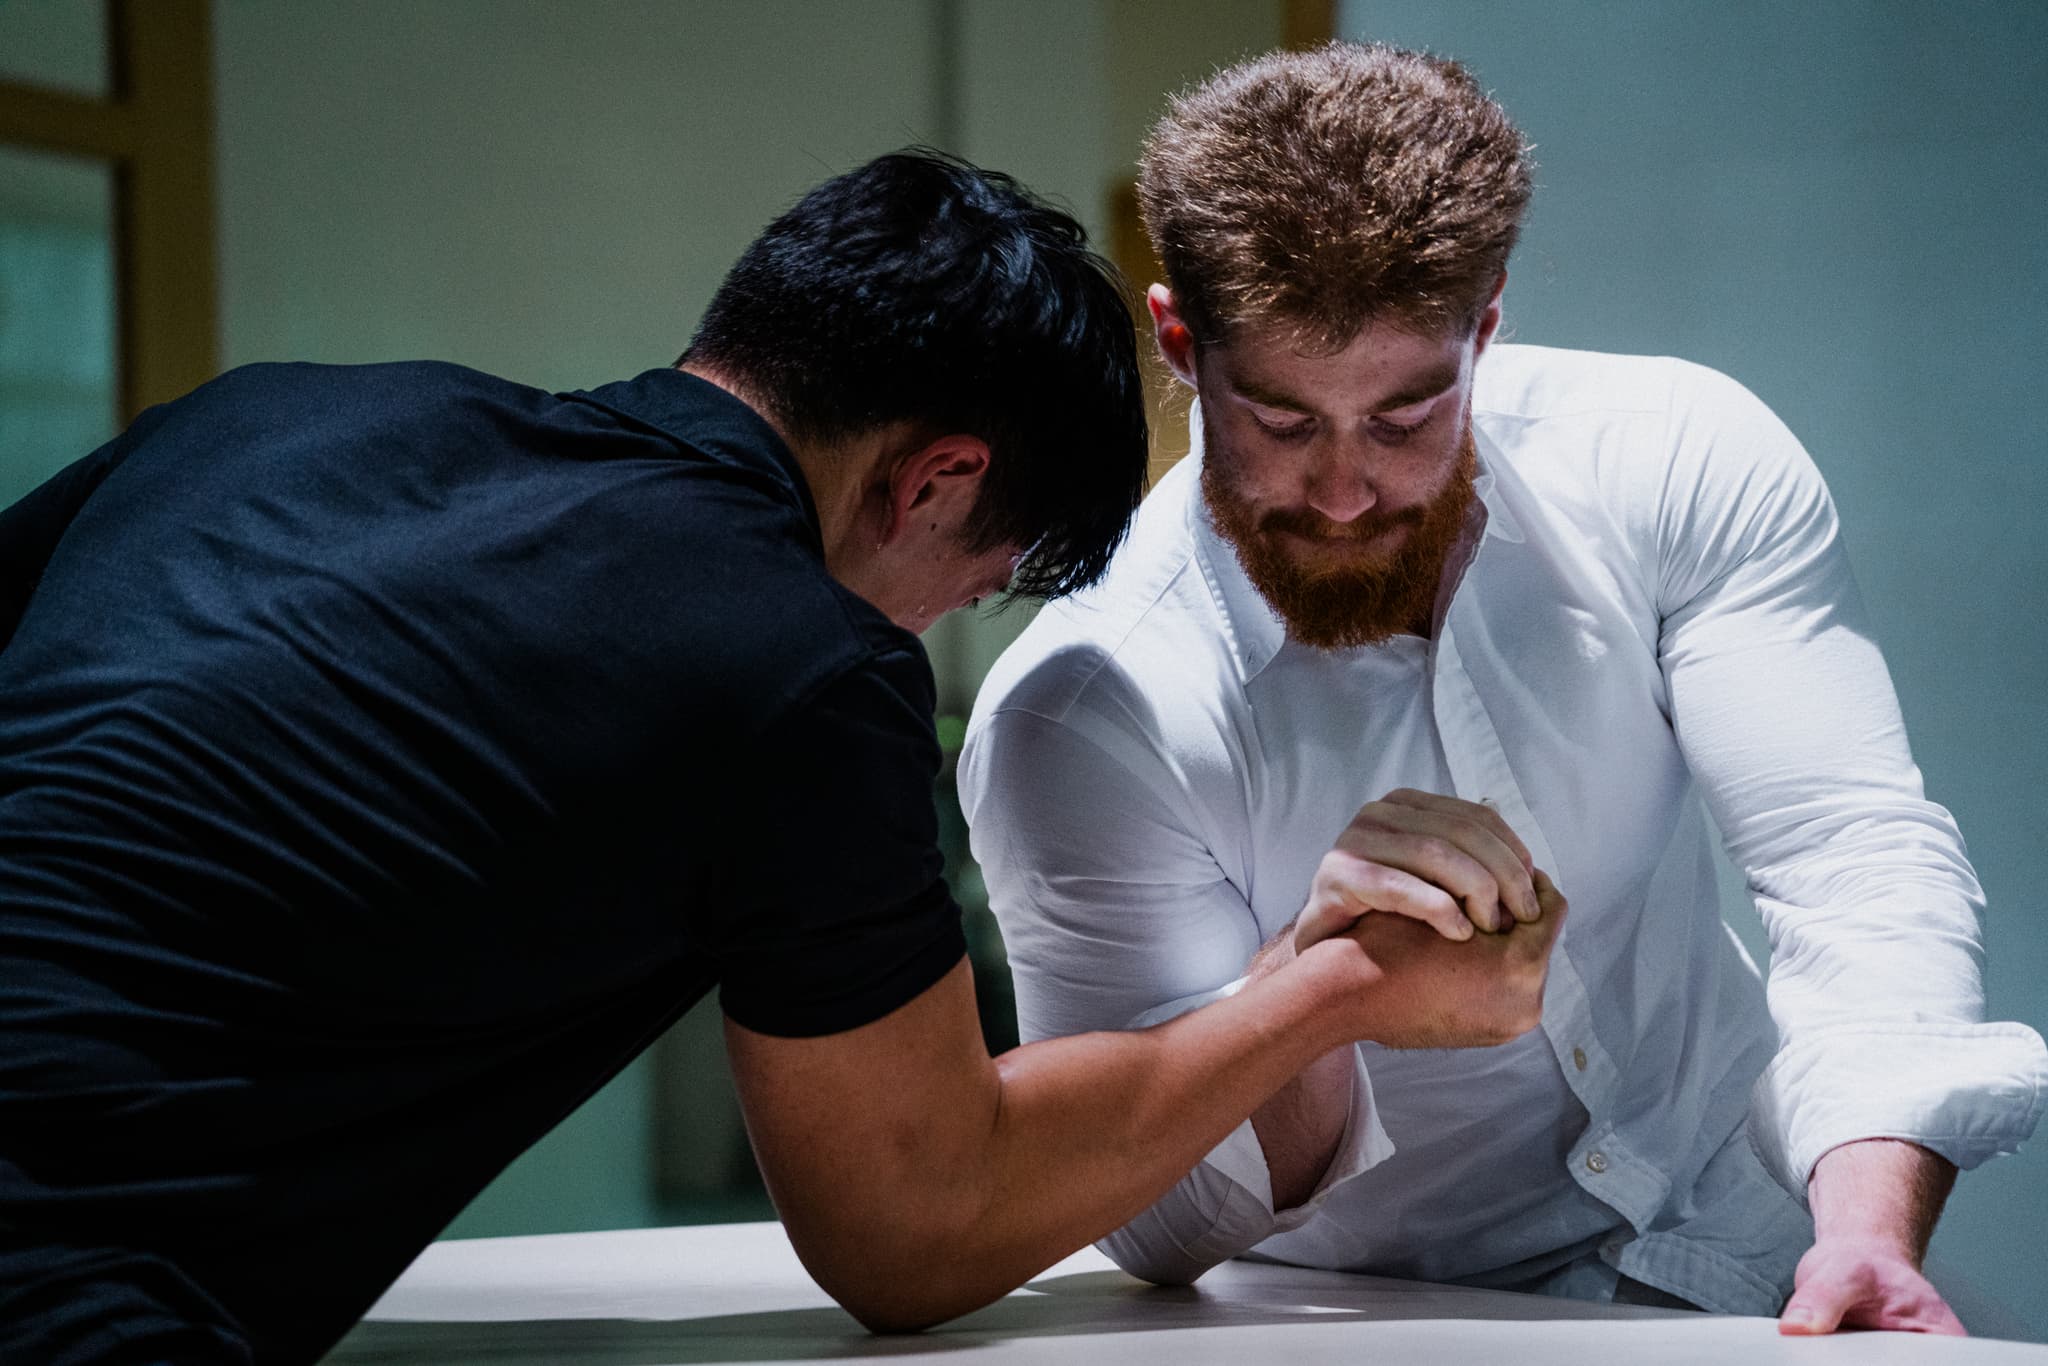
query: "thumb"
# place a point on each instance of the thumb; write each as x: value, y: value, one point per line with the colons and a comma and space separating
x: 1325, y: 917
x: 1817, y: 1307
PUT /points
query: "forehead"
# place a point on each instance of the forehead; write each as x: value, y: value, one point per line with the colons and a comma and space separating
x: 1379, y: 366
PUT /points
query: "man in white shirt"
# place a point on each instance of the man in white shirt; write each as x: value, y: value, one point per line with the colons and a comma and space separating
x: 1422, y: 624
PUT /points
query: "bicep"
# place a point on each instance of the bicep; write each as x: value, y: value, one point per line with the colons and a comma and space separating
x: 1781, y: 700
x: 855, y: 1131
x: 1111, y: 901
x: 832, y: 910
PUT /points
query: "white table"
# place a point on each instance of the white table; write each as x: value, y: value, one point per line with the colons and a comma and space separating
x: 735, y: 1293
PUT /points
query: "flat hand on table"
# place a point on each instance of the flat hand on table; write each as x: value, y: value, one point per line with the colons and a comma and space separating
x: 1875, y: 1202
x: 1852, y: 1283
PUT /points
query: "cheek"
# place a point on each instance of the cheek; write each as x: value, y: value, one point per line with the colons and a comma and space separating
x: 1251, y: 474
x: 1419, y: 470
x: 1414, y: 476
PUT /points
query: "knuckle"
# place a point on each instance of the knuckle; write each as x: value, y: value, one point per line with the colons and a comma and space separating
x: 1345, y: 873
x: 1435, y: 848
x: 1360, y: 836
x: 1335, y: 864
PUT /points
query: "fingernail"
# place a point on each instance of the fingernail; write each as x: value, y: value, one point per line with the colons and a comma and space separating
x: 1799, y: 1317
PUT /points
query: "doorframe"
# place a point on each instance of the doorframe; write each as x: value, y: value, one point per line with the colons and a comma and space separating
x: 155, y: 130
x: 1303, y: 24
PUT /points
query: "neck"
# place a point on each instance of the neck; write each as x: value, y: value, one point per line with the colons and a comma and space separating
x: 837, y: 475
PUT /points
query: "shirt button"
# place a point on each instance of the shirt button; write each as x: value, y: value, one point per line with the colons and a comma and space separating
x: 1579, y: 1058
x: 1596, y: 1162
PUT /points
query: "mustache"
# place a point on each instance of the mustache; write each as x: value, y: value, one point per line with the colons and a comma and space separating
x: 1310, y: 523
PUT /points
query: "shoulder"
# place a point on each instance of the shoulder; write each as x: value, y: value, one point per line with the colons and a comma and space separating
x: 413, y: 382
x: 1149, y: 620
x: 1625, y: 432
x: 771, y: 642
x: 426, y: 415
x: 1541, y: 383
x: 1136, y: 672
x: 1535, y: 384
x: 1558, y: 406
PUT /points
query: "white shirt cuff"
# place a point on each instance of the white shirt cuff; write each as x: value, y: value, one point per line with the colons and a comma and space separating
x: 1967, y: 1091
x: 1241, y: 1159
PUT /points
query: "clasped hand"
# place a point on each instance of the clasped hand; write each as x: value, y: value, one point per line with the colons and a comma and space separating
x: 1462, y: 941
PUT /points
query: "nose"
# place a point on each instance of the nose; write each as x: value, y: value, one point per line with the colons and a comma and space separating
x: 1337, y: 484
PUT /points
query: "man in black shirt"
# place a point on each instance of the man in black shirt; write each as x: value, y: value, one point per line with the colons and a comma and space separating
x: 388, y: 753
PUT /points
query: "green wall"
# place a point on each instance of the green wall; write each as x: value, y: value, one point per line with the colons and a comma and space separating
x: 1838, y: 202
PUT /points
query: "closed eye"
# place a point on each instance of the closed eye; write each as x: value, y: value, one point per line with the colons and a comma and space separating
x: 1281, y: 426
x: 1395, y: 427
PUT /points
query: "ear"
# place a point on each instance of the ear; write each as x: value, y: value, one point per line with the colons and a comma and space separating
x: 1176, y: 342
x: 936, y: 484
x: 1489, y: 320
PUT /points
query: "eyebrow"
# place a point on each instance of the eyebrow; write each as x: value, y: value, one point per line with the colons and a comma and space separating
x: 1267, y: 398
x: 1432, y: 384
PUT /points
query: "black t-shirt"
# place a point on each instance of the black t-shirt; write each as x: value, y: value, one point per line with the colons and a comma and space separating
x: 387, y: 754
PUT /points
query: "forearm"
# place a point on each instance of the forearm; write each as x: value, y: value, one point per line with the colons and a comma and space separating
x: 1874, y: 1206
x: 1301, y: 1128
x: 1882, y: 1191
x: 1389, y: 978
x: 1087, y: 1131
x: 919, y: 1179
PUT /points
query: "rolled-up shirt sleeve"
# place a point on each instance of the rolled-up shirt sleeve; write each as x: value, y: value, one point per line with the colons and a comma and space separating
x: 1787, y: 716
x: 1116, y: 915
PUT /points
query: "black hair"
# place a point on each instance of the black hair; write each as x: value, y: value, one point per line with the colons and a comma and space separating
x: 920, y: 288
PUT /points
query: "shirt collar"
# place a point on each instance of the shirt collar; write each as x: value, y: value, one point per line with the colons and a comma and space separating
x: 1250, y: 624
x: 696, y: 413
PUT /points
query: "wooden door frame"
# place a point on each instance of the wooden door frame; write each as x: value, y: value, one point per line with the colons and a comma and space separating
x: 156, y: 131
x: 1303, y: 24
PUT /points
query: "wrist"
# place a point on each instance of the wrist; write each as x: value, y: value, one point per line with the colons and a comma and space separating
x: 1271, y: 956
x: 1879, y: 1194
x: 1343, y: 977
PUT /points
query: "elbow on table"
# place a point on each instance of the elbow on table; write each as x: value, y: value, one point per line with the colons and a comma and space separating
x: 905, y: 1283
x: 908, y: 1284
x: 931, y: 1297
x: 887, y: 1315
x: 1151, y: 1259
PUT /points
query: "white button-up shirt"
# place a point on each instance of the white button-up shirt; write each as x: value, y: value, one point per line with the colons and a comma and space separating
x: 1655, y: 616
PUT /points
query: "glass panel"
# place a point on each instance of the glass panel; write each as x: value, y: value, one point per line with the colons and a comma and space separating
x: 61, y: 44
x: 57, y: 336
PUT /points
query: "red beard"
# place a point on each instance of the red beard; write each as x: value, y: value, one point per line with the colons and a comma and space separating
x: 1340, y: 604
